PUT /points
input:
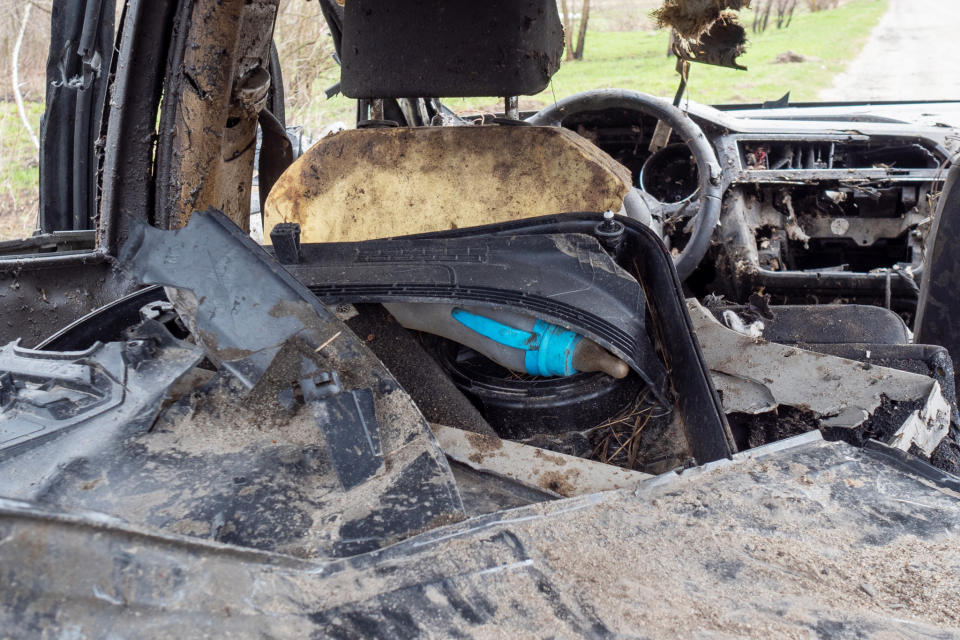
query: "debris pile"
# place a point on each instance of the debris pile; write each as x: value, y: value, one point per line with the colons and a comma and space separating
x: 692, y: 19
x: 790, y: 57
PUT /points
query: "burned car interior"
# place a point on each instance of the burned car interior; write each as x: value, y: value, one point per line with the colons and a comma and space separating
x: 456, y: 342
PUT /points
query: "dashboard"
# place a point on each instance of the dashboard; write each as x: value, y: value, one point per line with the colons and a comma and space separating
x: 818, y: 202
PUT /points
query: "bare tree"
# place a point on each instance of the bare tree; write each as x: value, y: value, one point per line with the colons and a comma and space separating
x: 574, y: 45
x: 15, y: 76
x: 582, y: 35
x: 785, y: 10
x: 567, y: 29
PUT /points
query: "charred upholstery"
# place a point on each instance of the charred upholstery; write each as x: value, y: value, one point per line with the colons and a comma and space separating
x: 378, y: 182
x: 415, y: 48
x: 373, y: 183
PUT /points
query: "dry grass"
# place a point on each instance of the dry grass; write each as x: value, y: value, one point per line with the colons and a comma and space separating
x: 306, y: 56
x: 617, y: 441
x: 18, y: 213
x: 693, y: 18
x: 33, y: 52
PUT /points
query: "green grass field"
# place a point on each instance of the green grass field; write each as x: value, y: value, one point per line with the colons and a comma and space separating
x: 19, y: 173
x: 828, y: 39
x: 638, y: 61
x: 17, y: 153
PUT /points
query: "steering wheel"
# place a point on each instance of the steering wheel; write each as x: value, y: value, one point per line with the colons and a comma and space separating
x: 706, y: 212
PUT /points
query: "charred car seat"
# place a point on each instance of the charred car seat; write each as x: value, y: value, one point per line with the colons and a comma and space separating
x: 390, y: 181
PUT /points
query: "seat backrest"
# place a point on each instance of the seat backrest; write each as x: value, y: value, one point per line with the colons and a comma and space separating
x: 449, y: 48
x: 362, y: 184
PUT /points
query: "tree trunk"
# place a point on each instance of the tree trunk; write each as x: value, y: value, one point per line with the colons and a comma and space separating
x: 766, y: 16
x: 567, y: 30
x: 584, y: 16
x: 15, y: 77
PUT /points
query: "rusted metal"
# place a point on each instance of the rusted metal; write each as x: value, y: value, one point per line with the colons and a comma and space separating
x: 223, y: 85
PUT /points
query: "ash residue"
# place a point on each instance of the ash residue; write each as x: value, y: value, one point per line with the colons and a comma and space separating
x: 947, y: 454
x: 571, y: 443
x: 752, y: 431
x: 881, y: 425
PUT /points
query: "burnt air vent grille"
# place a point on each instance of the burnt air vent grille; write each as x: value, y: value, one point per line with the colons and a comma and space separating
x: 806, y: 155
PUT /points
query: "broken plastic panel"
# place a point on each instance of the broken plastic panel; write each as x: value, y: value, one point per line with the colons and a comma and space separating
x: 558, y: 273
x: 59, y: 406
x: 842, y: 397
x: 291, y: 437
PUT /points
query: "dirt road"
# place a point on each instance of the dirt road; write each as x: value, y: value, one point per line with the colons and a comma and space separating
x: 913, y: 53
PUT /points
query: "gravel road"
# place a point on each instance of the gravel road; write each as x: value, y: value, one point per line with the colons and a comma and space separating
x: 913, y: 53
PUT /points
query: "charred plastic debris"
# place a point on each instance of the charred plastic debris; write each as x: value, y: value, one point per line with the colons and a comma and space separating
x: 258, y: 461
x: 587, y: 349
x: 194, y: 415
x: 365, y: 435
x: 233, y: 454
x: 271, y: 362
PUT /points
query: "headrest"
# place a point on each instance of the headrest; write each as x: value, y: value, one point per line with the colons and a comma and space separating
x: 449, y: 48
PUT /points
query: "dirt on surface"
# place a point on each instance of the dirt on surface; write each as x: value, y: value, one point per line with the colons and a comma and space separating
x: 790, y: 57
x: 737, y: 554
x: 809, y: 545
x: 911, y: 55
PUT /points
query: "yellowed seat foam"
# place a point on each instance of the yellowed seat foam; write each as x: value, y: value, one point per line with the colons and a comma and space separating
x: 374, y: 183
